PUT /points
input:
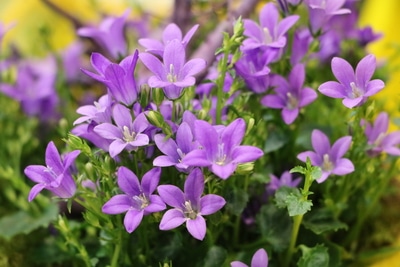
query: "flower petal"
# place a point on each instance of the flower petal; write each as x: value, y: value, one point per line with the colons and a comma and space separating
x: 260, y: 258
x: 132, y: 220
x: 172, y: 196
x: 172, y: 219
x: 343, y: 71
x: 243, y: 154
x: 150, y: 180
x: 333, y: 89
x: 343, y: 167
x: 117, y: 204
x: 340, y: 147
x: 128, y: 181
x: 365, y: 69
x: 156, y: 205
x: 194, y: 186
x: 36, y: 189
x: 320, y: 142
x: 211, y: 203
x: 197, y: 227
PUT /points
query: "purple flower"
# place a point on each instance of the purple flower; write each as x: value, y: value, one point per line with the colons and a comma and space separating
x: 260, y: 259
x: 253, y: 68
x: 320, y: 11
x: 271, y: 32
x: 117, y: 77
x: 35, y: 88
x: 220, y: 148
x: 72, y: 61
x: 286, y: 179
x: 173, y: 74
x: 356, y: 87
x: 189, y: 206
x: 290, y: 95
x: 328, y: 158
x: 378, y: 138
x: 138, y: 199
x: 109, y: 35
x: 171, y: 32
x: 127, y: 133
x: 301, y: 42
x: 99, y: 112
x: 175, y: 151
x: 55, y: 176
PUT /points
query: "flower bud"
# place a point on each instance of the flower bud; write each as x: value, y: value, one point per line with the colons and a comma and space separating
x: 158, y: 96
x: 144, y: 95
x: 245, y: 168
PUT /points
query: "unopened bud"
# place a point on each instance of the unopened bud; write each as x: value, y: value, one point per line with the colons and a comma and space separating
x: 144, y: 95
x: 155, y: 118
x: 245, y: 168
x: 158, y: 96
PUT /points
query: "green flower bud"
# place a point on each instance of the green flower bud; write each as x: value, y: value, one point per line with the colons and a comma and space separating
x: 245, y: 168
x: 158, y: 96
x: 144, y: 95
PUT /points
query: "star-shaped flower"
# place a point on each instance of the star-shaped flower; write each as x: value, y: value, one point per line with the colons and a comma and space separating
x: 138, y: 199
x: 55, y: 176
x: 173, y: 74
x: 189, y: 206
x: 353, y: 87
x: 330, y: 159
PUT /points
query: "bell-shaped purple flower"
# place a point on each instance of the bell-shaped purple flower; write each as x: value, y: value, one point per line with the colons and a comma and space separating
x: 174, y: 74
x: 189, y: 206
x: 109, y: 35
x: 290, y: 95
x: 138, y: 199
x: 55, y: 176
x: 117, y: 77
x: 330, y: 159
x: 271, y: 31
x: 379, y: 140
x: 260, y: 259
x: 127, y: 133
x: 175, y: 150
x: 353, y: 87
x: 171, y: 32
x: 220, y: 149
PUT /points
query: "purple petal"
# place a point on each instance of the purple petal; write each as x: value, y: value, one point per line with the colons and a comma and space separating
x: 197, y: 227
x: 260, y: 258
x: 269, y: 17
x: 197, y: 157
x: 174, y: 54
x: 343, y: 71
x: 343, y: 167
x: 99, y: 62
x: 296, y: 77
x: 340, y: 147
x: 323, y: 177
x: 116, y: 147
x: 333, y: 89
x: 194, y: 186
x: 156, y: 205
x: 154, y: 65
x: 252, y: 30
x: 132, y: 220
x: 314, y: 158
x: 184, y: 137
x: 150, y: 180
x: 192, y: 67
x: 243, y: 154
x: 289, y: 115
x: 238, y: 264
x: 287, y: 23
x: 353, y: 102
x: 189, y: 34
x: 207, y: 136
x: 108, y: 131
x: 172, y: 196
x: 70, y: 158
x: 365, y: 69
x: 122, y: 116
x: 128, y: 182
x: 233, y: 134
x: 164, y: 161
x: 172, y: 219
x: 374, y: 87
x: 151, y: 45
x: 36, y: 173
x: 211, y: 203
x: 307, y: 96
x: 320, y: 142
x: 53, y: 159
x: 36, y: 189
x: 223, y: 171
x: 171, y: 32
x: 273, y: 101
x: 117, y: 204
x: 166, y: 145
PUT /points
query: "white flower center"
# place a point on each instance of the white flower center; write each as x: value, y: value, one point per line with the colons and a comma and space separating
x: 355, y: 91
x: 267, y: 36
x: 51, y: 172
x: 327, y: 164
x: 221, y: 156
x: 171, y: 76
x: 128, y: 135
x: 379, y: 140
x: 189, y: 211
x: 292, y: 102
x: 141, y: 200
x: 181, y: 154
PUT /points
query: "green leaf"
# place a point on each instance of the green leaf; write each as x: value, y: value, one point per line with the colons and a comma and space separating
x: 298, y: 169
x: 316, y: 173
x: 321, y: 221
x: 237, y: 201
x: 275, y: 140
x: 22, y: 222
x: 215, y: 257
x: 276, y: 234
x: 297, y: 205
x: 283, y: 193
x: 316, y: 256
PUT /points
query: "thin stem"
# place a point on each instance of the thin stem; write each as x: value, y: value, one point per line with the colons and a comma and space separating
x: 117, y: 250
x: 223, y: 65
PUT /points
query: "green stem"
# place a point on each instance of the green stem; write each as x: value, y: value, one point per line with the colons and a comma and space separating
x: 223, y: 65
x: 117, y: 250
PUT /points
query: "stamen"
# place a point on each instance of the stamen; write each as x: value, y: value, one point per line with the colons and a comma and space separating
x: 141, y: 201
x: 51, y: 172
x: 171, y: 76
x: 292, y: 101
x: 267, y: 36
x: 327, y: 165
x: 181, y: 154
x: 128, y: 135
x: 355, y: 91
x: 221, y: 157
x: 189, y: 212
